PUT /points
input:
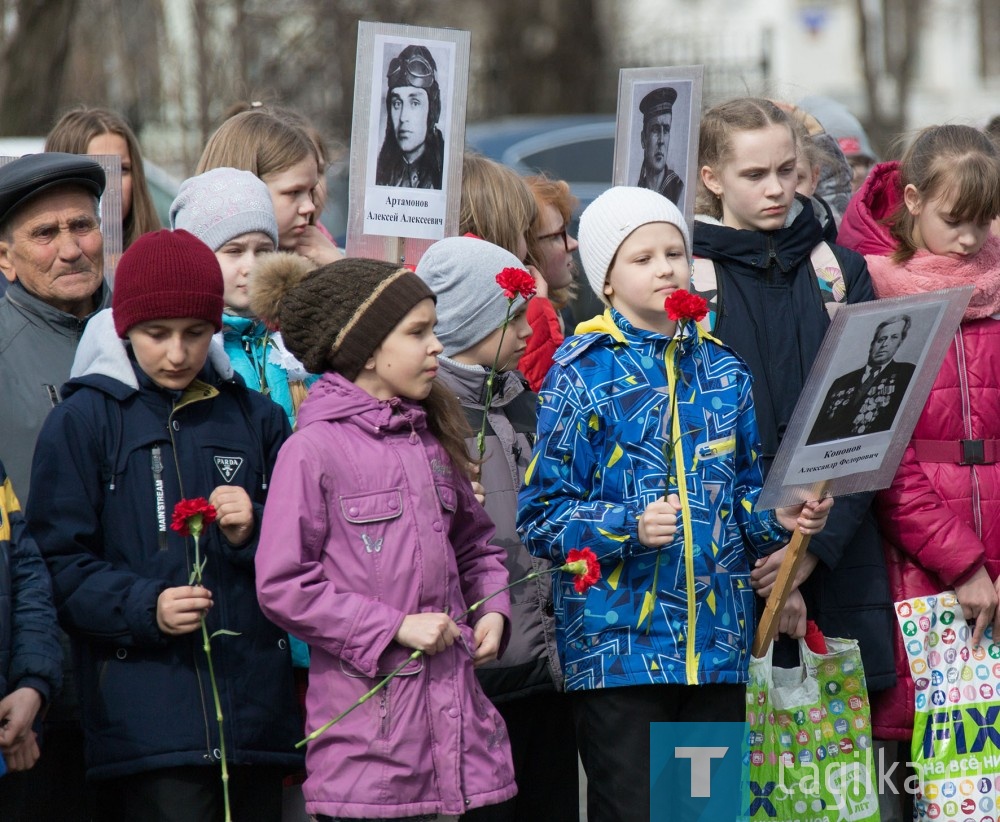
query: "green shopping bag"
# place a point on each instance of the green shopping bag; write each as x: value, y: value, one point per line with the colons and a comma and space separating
x: 956, y: 723
x: 808, y: 750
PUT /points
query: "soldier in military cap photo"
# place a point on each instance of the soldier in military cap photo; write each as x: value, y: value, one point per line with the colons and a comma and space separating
x: 412, y: 153
x: 657, y: 115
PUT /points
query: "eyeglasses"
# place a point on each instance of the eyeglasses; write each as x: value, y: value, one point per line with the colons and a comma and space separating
x: 561, y: 233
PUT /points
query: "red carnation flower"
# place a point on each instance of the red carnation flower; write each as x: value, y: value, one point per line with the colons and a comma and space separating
x: 586, y: 570
x: 683, y: 305
x: 516, y: 281
x: 191, y: 515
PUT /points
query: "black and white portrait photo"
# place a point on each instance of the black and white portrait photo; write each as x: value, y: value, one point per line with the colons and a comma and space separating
x: 867, y: 399
x: 656, y: 133
x: 410, y: 92
x: 863, y: 396
x: 657, y: 110
x: 412, y: 151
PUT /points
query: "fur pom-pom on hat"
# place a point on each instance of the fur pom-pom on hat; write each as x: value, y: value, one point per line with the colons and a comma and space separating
x: 333, y: 317
x: 273, y: 275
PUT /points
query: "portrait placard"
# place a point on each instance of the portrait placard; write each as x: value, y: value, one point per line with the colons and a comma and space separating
x: 110, y: 210
x: 863, y: 396
x: 656, y: 135
x: 407, y: 141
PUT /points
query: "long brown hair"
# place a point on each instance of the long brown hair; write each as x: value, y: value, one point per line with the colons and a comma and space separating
x: 715, y: 140
x: 496, y: 203
x: 955, y: 160
x: 73, y: 133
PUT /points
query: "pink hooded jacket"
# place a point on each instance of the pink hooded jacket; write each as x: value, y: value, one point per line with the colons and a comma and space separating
x: 940, y: 520
x: 367, y: 521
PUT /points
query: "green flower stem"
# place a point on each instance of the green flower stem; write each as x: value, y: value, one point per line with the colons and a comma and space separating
x: 481, y: 436
x: 570, y: 567
x: 361, y: 700
x: 206, y: 644
x: 207, y: 647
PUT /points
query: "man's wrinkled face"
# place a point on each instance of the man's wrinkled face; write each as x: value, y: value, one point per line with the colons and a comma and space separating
x: 886, y: 343
x: 53, y: 246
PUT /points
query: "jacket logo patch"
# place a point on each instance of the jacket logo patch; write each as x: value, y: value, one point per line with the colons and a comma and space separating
x: 372, y: 544
x: 228, y: 466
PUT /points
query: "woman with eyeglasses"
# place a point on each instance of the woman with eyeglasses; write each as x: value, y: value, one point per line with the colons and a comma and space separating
x: 550, y: 250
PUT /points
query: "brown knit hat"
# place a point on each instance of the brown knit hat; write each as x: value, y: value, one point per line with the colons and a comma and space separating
x: 333, y: 317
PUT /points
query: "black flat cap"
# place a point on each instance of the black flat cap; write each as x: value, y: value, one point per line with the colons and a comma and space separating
x: 658, y: 101
x: 24, y: 178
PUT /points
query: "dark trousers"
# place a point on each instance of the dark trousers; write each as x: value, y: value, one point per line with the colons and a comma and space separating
x: 543, y: 745
x: 54, y: 790
x: 612, y: 733
x: 192, y: 794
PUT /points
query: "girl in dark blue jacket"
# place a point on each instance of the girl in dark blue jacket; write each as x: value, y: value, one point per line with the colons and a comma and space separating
x: 771, y: 306
x: 147, y: 421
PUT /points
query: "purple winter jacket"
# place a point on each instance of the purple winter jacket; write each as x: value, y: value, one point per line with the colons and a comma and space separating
x: 367, y: 522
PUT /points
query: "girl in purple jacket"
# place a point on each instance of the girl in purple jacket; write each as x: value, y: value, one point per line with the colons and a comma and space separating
x: 373, y: 545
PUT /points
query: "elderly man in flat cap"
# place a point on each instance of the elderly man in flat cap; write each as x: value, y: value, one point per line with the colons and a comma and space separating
x: 412, y: 154
x: 52, y: 255
x: 657, y: 109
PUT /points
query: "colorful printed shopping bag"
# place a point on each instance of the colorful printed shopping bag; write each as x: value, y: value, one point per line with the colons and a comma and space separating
x: 956, y: 724
x: 809, y: 742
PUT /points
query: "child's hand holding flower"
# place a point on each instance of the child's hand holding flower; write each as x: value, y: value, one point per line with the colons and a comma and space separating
x: 488, y: 633
x: 428, y: 633
x: 235, y: 513
x: 658, y: 523
x: 179, y: 610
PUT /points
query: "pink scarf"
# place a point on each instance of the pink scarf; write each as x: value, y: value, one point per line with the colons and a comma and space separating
x: 930, y: 272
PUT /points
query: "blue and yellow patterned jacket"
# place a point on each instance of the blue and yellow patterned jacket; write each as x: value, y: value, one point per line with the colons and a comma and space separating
x: 599, y: 461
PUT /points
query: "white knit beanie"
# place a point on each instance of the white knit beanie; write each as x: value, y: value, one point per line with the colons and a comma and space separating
x: 462, y: 272
x: 224, y: 203
x: 609, y: 219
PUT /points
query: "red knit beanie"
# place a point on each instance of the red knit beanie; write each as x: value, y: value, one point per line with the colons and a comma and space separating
x: 167, y: 275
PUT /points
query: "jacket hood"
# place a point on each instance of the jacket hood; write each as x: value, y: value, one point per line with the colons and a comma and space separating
x: 103, y: 353
x: 785, y: 247
x: 334, y: 397
x: 862, y: 228
x: 468, y: 383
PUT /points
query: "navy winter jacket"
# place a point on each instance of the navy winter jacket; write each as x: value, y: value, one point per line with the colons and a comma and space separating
x: 111, y: 462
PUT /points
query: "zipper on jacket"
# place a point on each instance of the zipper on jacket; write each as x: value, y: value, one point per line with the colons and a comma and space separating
x: 161, y: 497
x: 383, y: 714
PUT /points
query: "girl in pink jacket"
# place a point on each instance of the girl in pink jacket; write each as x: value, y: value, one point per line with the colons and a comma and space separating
x: 923, y: 224
x: 374, y: 545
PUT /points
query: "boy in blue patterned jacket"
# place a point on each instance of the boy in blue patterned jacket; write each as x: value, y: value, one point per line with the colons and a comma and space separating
x: 667, y: 505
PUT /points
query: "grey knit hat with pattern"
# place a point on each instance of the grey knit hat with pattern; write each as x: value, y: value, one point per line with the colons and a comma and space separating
x: 609, y: 219
x: 224, y: 203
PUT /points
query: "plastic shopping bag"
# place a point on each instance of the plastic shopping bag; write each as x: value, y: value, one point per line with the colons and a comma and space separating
x: 809, y: 742
x: 956, y: 725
